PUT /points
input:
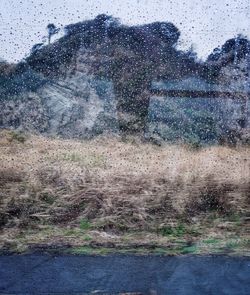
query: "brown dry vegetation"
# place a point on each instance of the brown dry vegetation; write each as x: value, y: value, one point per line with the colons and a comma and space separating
x: 110, y: 193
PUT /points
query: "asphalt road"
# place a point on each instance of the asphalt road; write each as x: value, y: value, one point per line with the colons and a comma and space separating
x: 69, y: 274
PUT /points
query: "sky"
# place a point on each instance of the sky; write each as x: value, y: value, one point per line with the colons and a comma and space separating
x: 205, y: 24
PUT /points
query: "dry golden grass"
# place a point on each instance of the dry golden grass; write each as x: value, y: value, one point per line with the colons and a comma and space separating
x: 118, y: 187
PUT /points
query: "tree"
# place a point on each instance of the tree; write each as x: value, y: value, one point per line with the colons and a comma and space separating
x: 191, y: 53
x: 36, y: 47
x: 102, y: 24
x: 167, y: 32
x: 52, y: 30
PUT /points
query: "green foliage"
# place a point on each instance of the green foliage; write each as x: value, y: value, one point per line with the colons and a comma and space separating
x: 211, y: 241
x: 85, y: 224
x: 177, y: 231
x: 87, y: 238
x: 233, y: 244
x: 189, y: 250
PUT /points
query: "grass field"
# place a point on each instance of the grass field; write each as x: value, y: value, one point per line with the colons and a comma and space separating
x: 107, y: 194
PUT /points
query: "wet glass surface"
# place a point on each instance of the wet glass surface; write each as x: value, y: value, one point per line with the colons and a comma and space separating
x: 124, y: 128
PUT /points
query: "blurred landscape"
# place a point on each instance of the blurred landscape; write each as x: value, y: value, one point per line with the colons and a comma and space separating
x: 112, y: 139
x: 106, y: 77
x: 107, y: 195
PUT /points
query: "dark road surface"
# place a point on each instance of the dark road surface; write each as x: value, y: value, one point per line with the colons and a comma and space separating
x: 68, y: 274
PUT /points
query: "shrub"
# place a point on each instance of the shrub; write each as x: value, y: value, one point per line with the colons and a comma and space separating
x: 17, y: 136
x: 85, y: 224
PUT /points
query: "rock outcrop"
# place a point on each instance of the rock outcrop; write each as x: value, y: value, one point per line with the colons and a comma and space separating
x: 98, y: 79
x: 74, y: 105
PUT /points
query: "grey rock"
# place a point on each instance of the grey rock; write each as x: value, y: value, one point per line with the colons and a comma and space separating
x: 78, y: 105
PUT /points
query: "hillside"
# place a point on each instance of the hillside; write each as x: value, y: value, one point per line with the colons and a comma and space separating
x: 97, y: 157
x: 98, y: 77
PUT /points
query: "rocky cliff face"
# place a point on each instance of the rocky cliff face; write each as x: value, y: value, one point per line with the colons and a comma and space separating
x: 57, y: 109
x: 223, y: 117
x: 97, y: 79
x: 74, y: 105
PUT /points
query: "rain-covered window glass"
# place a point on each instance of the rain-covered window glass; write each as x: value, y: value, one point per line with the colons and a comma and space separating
x: 124, y: 129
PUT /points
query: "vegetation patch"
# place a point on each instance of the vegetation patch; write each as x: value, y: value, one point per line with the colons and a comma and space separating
x: 85, y: 224
x: 178, y: 231
x: 155, y: 199
x: 91, y: 160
